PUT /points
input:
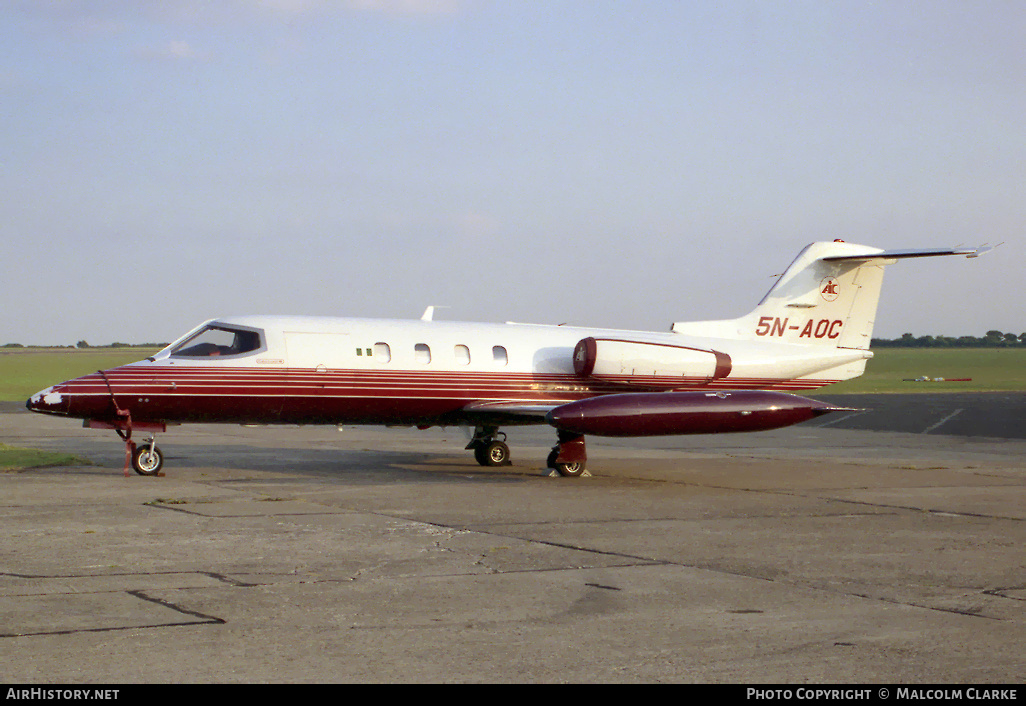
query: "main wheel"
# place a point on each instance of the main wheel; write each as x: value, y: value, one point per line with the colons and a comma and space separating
x: 570, y: 470
x: 147, y: 460
x: 492, y: 453
x: 479, y: 454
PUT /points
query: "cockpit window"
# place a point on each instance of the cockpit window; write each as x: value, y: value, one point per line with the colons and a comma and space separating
x: 218, y: 341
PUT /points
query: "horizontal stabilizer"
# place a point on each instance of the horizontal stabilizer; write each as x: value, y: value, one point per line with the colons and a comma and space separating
x: 905, y: 254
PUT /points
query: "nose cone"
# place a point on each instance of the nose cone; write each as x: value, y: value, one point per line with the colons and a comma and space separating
x: 52, y: 400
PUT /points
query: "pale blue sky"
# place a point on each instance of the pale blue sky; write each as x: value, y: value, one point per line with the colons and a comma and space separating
x: 622, y: 164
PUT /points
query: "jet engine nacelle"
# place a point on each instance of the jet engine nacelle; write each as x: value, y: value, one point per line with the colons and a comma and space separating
x: 671, y: 413
x: 635, y: 361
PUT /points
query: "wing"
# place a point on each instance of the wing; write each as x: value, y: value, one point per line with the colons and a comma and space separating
x: 508, y: 413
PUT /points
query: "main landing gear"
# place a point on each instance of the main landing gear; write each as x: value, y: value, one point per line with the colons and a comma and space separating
x: 568, y: 457
x: 489, y: 451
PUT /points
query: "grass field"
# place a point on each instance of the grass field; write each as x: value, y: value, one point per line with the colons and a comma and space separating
x: 24, y: 371
x: 991, y: 370
x: 14, y: 458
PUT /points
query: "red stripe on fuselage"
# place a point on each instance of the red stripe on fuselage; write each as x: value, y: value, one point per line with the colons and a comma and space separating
x: 289, y: 395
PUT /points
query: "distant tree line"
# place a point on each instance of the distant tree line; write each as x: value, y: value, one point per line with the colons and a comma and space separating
x: 84, y: 344
x: 992, y: 339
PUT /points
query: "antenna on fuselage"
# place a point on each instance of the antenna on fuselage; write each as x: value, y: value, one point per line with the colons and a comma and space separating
x: 429, y: 313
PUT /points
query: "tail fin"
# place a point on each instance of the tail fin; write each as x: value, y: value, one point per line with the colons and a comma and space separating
x: 827, y: 297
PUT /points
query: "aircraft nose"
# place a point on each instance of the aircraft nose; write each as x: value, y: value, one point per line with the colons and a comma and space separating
x: 48, y: 401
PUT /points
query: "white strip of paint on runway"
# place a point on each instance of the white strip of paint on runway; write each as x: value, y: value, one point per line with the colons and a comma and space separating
x: 841, y: 419
x: 950, y: 416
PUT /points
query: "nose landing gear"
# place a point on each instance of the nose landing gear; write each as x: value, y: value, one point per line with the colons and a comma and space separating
x: 147, y: 459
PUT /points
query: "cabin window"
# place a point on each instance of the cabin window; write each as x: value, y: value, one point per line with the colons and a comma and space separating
x: 422, y: 353
x: 462, y: 355
x: 219, y: 340
x: 382, y: 352
x: 499, y: 355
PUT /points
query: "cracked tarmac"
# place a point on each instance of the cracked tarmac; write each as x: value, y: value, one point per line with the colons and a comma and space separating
x: 308, y: 555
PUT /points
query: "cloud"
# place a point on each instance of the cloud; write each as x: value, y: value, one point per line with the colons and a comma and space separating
x: 9, y: 78
x: 175, y: 50
x: 86, y: 19
x: 474, y: 224
x: 407, y: 7
x: 97, y: 27
x: 387, y: 7
x: 180, y: 50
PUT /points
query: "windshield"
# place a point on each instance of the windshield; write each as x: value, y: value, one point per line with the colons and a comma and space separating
x: 219, y: 340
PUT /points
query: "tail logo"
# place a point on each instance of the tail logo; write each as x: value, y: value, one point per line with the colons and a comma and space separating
x: 829, y: 289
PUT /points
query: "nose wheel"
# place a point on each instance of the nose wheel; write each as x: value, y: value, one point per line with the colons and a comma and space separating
x: 147, y: 459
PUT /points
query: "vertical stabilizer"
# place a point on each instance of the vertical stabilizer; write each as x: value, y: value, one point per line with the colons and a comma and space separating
x: 823, y: 302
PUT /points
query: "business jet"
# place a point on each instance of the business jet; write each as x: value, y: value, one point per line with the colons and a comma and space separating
x: 813, y: 328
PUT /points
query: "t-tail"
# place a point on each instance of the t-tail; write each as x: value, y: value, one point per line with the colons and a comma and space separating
x: 826, y: 299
